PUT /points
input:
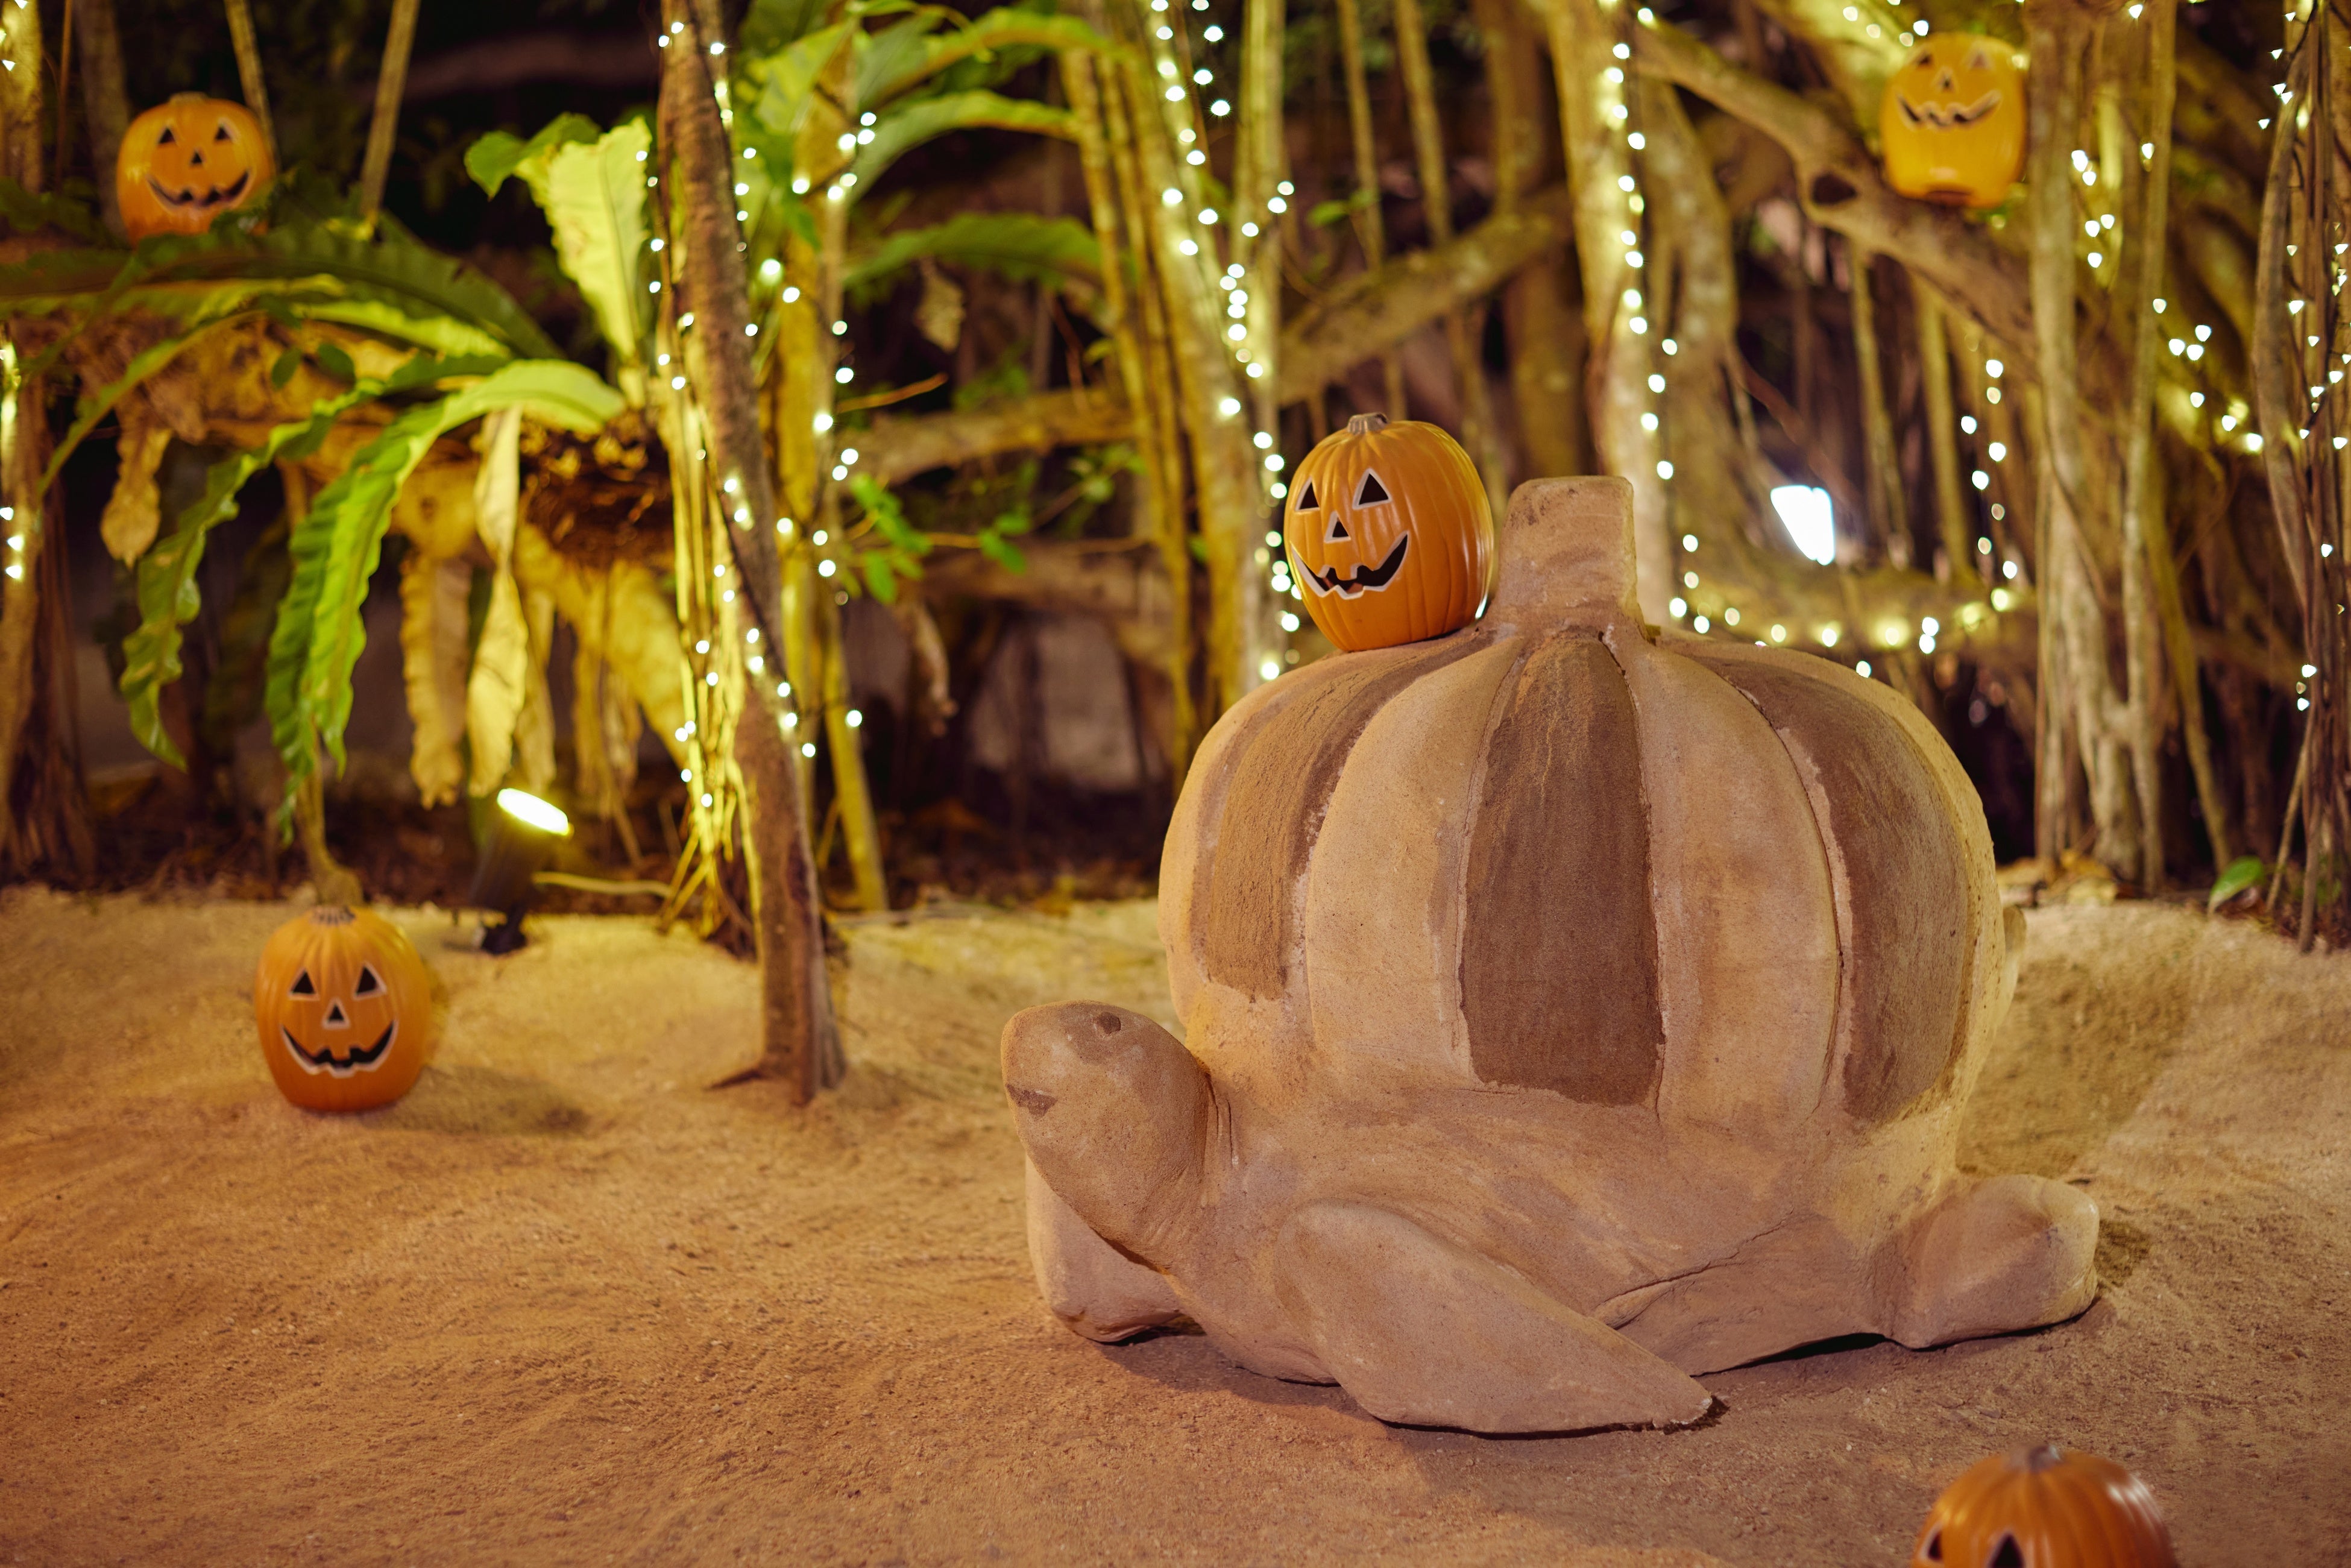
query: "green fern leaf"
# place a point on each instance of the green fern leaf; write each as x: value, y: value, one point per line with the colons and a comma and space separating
x: 167, y: 573
x: 336, y: 548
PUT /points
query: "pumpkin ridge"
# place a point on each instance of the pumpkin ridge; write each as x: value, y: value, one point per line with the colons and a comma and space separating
x: 1211, y: 778
x: 1898, y: 1027
x: 1746, y: 1010
x: 1398, y: 821
x: 1279, y: 786
x: 1559, y: 743
x: 1902, y: 1009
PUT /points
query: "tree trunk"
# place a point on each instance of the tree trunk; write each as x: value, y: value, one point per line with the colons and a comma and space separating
x: 1155, y: 517
x: 1593, y: 108
x: 1160, y: 432
x: 1881, y: 467
x: 1462, y: 334
x: 104, y: 101
x: 249, y: 73
x: 1371, y: 232
x: 1227, y: 476
x: 2142, y: 492
x: 2058, y: 34
x: 1258, y: 163
x: 392, y: 79
x: 1540, y: 316
x: 23, y: 434
x: 1951, y: 526
x: 799, y: 1044
x: 852, y: 794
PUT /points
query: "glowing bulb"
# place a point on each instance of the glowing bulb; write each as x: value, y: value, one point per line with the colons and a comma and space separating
x: 1811, y: 521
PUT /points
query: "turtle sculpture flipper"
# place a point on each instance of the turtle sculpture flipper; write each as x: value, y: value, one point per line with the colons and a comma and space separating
x: 1569, y: 1010
x: 1422, y: 1333
x: 1416, y: 1328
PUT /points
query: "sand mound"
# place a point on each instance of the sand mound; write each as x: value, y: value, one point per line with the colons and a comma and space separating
x: 566, y: 1302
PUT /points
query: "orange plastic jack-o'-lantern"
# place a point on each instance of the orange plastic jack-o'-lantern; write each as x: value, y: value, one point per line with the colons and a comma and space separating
x: 185, y: 161
x: 1390, y: 532
x: 345, y: 1008
x: 1952, y: 122
x: 2045, y: 1507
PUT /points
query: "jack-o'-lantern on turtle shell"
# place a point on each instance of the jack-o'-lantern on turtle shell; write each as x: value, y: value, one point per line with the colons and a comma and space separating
x: 344, y: 1006
x: 185, y: 161
x: 1389, y: 530
x: 1952, y: 121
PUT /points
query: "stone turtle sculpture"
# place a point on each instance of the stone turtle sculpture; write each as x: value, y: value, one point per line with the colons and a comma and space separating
x: 1569, y: 1010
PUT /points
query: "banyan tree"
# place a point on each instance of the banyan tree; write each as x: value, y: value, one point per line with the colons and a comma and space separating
x: 1989, y: 350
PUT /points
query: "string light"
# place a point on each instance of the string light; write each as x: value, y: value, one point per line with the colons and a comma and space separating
x: 1248, y: 302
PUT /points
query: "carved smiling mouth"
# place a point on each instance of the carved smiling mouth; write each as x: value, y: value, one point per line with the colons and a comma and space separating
x: 1364, y: 579
x: 326, y: 1060
x: 1947, y: 119
x: 217, y: 196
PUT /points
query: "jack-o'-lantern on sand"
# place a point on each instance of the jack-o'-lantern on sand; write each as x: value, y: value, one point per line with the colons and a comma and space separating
x: 1569, y: 1007
x: 1952, y: 125
x: 187, y: 161
x: 1389, y: 530
x: 345, y: 1010
x: 2045, y: 1507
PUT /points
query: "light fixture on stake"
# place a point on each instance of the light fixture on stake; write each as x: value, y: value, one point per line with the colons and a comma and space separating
x: 517, y: 842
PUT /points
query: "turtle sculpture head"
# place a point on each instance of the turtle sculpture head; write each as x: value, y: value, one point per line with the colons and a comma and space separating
x: 1569, y: 1010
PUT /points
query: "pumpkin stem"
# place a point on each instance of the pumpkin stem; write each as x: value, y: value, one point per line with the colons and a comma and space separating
x: 331, y: 915
x: 1364, y: 424
x: 2047, y: 1456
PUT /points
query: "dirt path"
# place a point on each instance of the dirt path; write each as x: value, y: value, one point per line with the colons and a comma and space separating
x: 563, y: 1305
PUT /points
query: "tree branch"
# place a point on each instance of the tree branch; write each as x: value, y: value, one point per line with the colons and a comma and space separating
x: 894, y: 449
x: 1376, y: 311
x: 1838, y: 183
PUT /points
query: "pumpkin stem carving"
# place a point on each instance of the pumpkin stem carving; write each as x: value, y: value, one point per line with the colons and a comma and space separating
x: 1567, y: 557
x: 1364, y: 424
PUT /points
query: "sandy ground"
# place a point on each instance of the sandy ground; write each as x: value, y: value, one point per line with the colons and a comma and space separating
x: 566, y: 1304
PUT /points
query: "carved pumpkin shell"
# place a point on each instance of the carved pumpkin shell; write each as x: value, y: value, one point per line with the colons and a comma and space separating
x: 1734, y: 886
x: 2045, y: 1507
x: 344, y: 1006
x: 185, y: 161
x: 1388, y: 529
x: 1952, y: 121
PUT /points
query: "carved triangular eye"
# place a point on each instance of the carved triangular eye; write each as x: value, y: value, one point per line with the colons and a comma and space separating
x: 168, y: 138
x: 1934, y: 1553
x: 2007, y: 1554
x: 1307, y: 499
x: 302, y: 985
x: 1926, y: 58
x: 220, y: 131
x: 1337, y: 530
x: 369, y: 983
x: 1370, y: 492
x: 1979, y: 61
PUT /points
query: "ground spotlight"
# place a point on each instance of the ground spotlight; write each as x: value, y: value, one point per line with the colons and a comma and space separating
x: 517, y: 845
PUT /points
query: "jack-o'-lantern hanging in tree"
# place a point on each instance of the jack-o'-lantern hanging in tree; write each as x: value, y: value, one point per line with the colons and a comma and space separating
x: 345, y: 1010
x: 187, y: 161
x: 2045, y: 1507
x: 1952, y: 122
x: 1390, y: 532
